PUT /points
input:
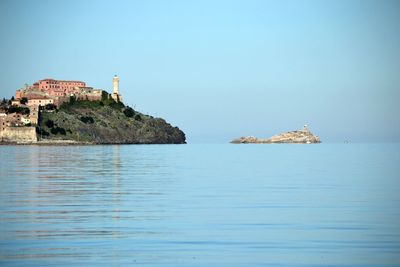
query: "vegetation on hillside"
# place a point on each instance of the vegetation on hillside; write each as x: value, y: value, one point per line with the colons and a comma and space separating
x: 106, y: 121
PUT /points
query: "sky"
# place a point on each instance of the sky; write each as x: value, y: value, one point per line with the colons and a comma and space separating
x: 220, y: 69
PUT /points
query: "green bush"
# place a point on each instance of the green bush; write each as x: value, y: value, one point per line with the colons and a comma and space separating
x: 43, y: 132
x: 54, y: 130
x: 49, y: 123
x: 129, y: 112
x: 62, y: 131
x: 116, y: 105
x: 58, y: 130
x: 87, y: 119
x: 138, y: 117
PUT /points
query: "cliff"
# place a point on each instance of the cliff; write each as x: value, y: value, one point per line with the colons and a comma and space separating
x: 105, y: 122
x: 303, y: 136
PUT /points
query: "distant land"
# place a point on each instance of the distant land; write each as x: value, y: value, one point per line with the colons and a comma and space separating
x: 303, y: 136
x: 68, y: 112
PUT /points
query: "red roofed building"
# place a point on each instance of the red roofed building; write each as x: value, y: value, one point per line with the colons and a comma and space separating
x: 60, y: 91
x: 59, y: 87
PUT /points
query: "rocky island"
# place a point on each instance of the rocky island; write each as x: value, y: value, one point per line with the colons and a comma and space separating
x: 68, y: 112
x: 303, y: 136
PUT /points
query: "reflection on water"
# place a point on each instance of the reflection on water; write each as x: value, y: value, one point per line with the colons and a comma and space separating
x: 210, y: 205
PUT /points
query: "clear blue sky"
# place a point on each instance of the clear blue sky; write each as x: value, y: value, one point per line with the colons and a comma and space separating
x: 221, y: 69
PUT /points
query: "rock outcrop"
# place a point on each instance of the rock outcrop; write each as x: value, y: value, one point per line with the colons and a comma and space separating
x: 303, y: 136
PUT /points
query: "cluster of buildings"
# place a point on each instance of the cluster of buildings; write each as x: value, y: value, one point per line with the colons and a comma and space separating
x: 58, y: 91
x: 49, y: 91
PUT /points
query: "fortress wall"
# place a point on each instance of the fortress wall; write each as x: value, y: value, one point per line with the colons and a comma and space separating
x: 19, y: 134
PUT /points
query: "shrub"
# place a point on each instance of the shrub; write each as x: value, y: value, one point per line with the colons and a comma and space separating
x: 87, y: 119
x: 49, y: 123
x: 43, y: 132
x: 54, y: 130
x: 129, y: 112
x: 58, y: 130
x: 61, y: 131
x: 138, y: 117
x: 117, y: 105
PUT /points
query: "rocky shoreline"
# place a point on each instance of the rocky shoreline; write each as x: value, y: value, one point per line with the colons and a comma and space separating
x: 303, y: 136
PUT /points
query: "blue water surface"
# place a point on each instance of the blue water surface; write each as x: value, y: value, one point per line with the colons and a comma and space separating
x: 200, y: 205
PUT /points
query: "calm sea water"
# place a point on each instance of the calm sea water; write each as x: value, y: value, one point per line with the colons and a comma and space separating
x: 200, y: 205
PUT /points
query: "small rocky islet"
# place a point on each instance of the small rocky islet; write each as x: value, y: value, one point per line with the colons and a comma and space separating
x: 302, y: 136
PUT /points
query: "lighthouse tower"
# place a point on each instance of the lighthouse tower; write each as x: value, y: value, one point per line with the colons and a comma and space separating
x: 116, y: 95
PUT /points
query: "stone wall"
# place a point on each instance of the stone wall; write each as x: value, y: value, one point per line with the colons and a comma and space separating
x: 19, y: 135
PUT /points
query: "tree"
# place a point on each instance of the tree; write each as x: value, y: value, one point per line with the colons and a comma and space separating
x: 24, y: 110
x: 20, y: 110
x: 23, y: 100
x: 50, y: 106
x: 104, y: 95
x: 72, y: 100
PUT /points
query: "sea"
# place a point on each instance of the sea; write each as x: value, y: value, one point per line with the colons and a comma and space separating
x: 200, y: 205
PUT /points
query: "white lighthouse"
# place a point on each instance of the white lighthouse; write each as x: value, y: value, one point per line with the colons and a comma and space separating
x: 116, y: 95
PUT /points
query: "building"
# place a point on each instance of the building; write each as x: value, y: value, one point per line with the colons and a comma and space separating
x: 59, y: 87
x: 51, y: 87
x: 34, y: 114
x: 116, y: 95
x: 8, y: 120
x: 51, y: 91
x: 39, y: 101
x: 15, y: 102
x: 25, y: 120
